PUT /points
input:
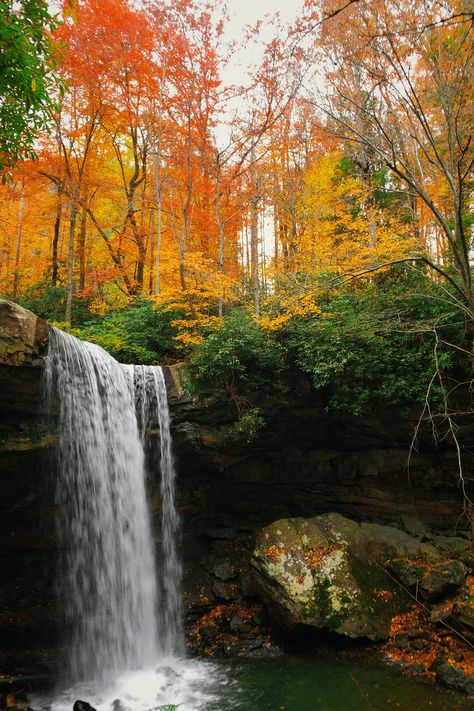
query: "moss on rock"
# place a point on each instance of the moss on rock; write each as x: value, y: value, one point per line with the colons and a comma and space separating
x: 326, y: 572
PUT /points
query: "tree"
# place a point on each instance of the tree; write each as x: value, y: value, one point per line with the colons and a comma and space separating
x: 399, y: 86
x: 28, y: 80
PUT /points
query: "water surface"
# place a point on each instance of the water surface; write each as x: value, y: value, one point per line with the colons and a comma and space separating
x: 331, y: 683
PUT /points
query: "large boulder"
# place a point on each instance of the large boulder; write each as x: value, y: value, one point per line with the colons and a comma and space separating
x: 327, y: 573
x: 22, y: 334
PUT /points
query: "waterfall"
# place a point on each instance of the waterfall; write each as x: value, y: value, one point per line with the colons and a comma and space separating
x: 152, y: 405
x: 109, y: 580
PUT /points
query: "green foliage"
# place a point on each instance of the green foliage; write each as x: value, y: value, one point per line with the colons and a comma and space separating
x: 376, y: 344
x: 28, y: 58
x: 249, y: 424
x: 140, y: 333
x: 373, y: 343
x: 239, y: 355
x: 49, y: 302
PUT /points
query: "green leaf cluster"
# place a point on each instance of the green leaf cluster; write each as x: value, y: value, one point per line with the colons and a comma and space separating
x: 240, y: 356
x: 376, y: 344
x: 28, y: 59
x: 249, y: 424
x: 49, y: 302
x: 140, y: 333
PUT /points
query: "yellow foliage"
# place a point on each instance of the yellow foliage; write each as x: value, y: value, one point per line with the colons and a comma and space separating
x: 345, y: 230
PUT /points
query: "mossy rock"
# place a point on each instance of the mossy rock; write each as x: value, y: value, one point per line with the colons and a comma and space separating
x: 326, y: 572
x: 432, y: 580
x: 409, y: 572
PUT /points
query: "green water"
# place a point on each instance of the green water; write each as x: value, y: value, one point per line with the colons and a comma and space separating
x: 304, y: 683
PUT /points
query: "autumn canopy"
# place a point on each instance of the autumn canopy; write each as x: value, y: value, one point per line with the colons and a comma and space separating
x: 347, y: 147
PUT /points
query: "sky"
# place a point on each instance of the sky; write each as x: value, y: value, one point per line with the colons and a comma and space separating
x: 243, y: 14
x: 248, y: 12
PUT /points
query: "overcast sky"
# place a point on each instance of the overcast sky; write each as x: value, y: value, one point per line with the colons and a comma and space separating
x: 248, y: 12
x: 245, y: 12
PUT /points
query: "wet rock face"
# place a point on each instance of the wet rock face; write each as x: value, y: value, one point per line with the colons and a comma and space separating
x: 326, y: 573
x: 308, y: 461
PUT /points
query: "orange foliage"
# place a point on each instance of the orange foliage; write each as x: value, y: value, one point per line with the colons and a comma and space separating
x: 132, y: 194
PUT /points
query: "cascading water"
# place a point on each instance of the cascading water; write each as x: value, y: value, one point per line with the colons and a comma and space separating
x: 127, y: 642
x: 109, y: 577
x: 152, y: 405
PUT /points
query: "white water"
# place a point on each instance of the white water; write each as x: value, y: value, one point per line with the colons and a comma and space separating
x: 127, y: 644
x: 152, y: 405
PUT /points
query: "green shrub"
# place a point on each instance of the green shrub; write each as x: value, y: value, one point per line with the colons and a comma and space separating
x: 141, y: 333
x: 376, y: 344
x: 240, y: 357
x: 49, y: 302
x: 249, y: 424
x: 372, y: 343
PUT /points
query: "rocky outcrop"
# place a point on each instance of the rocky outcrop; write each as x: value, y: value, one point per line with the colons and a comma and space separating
x: 333, y: 575
x: 307, y: 461
x: 430, y: 580
x: 463, y: 610
x: 28, y: 616
x: 22, y: 335
x: 454, y: 678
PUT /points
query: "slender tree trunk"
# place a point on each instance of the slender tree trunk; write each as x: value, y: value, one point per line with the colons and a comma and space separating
x: 81, y: 251
x: 181, y: 249
x: 254, y: 256
x: 412, y: 202
x: 55, y: 245
x: 158, y: 219
x: 276, y: 229
x: 183, y: 235
x: 254, y: 238
x: 220, y: 226
x: 247, y: 252
x: 151, y: 271
x: 70, y: 262
x: 140, y: 274
x: 158, y: 186
x: 16, y: 274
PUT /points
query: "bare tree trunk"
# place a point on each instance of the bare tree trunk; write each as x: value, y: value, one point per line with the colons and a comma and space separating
x: 70, y: 262
x: 16, y: 274
x: 158, y: 219
x: 220, y: 226
x: 55, y: 245
x: 81, y: 251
